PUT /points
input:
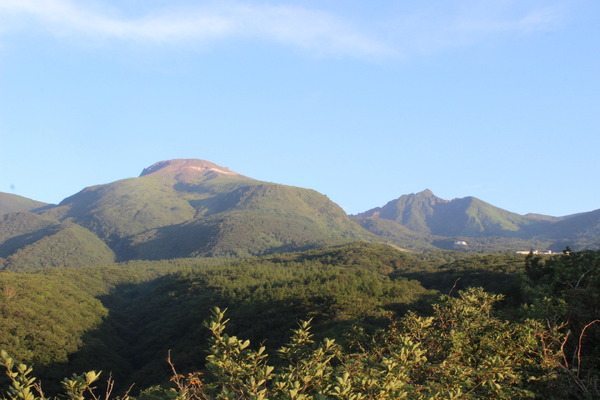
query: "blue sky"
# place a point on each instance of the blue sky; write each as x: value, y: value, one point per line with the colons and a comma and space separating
x: 360, y: 100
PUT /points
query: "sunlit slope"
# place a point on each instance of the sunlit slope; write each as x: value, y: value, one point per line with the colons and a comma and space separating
x: 10, y: 203
x: 124, y: 208
x: 180, y: 208
x: 422, y: 220
x: 469, y: 217
x: 237, y: 216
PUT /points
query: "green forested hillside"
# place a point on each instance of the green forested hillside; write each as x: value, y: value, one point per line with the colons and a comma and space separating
x: 194, y: 208
x: 64, y: 245
x: 395, y: 233
x: 254, y: 219
x: 390, y: 231
x: 541, y: 339
x: 177, y: 208
x: 118, y: 275
x: 22, y: 226
x: 30, y: 241
x: 419, y: 220
x: 469, y: 217
x: 124, y: 208
x: 583, y: 230
x: 133, y: 313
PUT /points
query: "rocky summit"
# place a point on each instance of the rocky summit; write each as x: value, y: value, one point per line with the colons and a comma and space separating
x: 179, y: 167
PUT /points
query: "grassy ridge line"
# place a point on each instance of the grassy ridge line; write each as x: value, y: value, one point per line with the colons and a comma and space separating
x: 12, y: 203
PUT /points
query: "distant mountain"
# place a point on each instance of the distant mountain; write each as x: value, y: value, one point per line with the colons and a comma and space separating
x: 580, y: 231
x: 440, y: 220
x: 185, y: 208
x: 10, y: 203
x: 426, y: 213
x: 195, y: 208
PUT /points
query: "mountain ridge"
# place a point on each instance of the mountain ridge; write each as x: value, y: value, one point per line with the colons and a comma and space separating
x: 196, y: 208
x: 468, y: 216
x: 472, y: 219
x: 10, y: 203
x: 190, y: 208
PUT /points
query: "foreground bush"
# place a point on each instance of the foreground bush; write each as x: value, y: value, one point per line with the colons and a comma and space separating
x: 461, y: 352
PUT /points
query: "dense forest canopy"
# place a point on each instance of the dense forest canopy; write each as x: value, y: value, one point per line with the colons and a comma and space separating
x: 376, y: 302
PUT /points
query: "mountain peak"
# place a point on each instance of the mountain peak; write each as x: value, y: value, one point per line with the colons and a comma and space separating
x: 188, y: 167
x: 426, y: 193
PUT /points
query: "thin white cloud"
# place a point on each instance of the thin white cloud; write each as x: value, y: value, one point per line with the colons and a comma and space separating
x: 309, y: 29
x: 425, y: 29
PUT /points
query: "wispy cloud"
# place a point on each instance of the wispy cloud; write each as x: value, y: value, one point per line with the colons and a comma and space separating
x: 309, y: 29
x: 426, y: 29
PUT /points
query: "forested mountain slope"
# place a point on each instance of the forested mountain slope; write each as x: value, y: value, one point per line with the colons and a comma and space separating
x: 538, y: 339
x: 177, y: 208
x: 486, y: 227
x: 124, y: 318
x: 426, y: 213
x: 195, y: 208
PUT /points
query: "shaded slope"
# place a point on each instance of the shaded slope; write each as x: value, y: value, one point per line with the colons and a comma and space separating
x: 19, y: 224
x: 391, y: 231
x: 580, y: 231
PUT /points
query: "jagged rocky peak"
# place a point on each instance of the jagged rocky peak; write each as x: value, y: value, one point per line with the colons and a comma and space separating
x: 180, y: 167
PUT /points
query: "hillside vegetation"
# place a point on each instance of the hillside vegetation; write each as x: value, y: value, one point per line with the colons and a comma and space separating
x: 178, y: 208
x: 147, y: 307
x: 255, y: 290
x: 125, y: 318
x: 12, y: 203
x: 422, y: 219
x: 194, y: 208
